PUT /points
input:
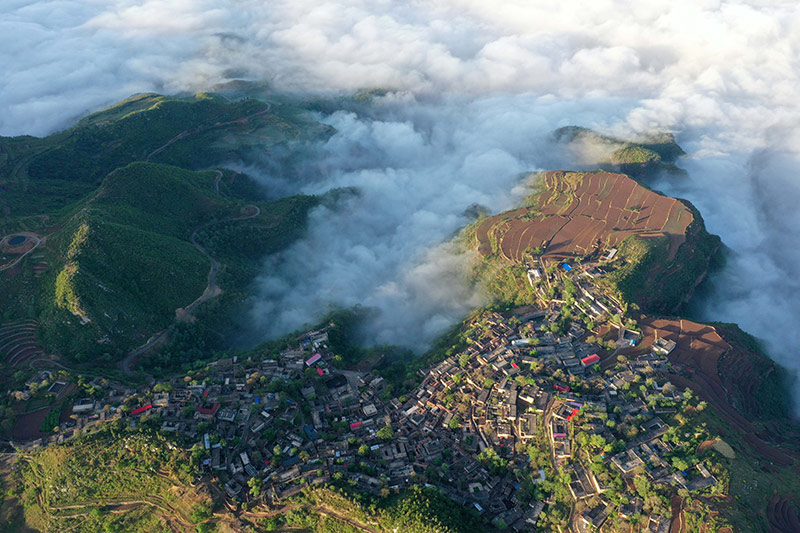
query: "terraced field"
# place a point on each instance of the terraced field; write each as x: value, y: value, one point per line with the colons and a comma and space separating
x: 701, y: 347
x: 140, y: 482
x: 578, y: 212
x: 18, y: 342
x: 784, y: 516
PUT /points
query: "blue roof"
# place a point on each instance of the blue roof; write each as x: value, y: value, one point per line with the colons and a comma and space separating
x: 310, y: 431
x: 291, y: 461
x: 566, y: 267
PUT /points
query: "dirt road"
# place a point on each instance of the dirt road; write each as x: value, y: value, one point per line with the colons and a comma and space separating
x: 20, y: 258
x: 188, y: 133
x: 211, y: 290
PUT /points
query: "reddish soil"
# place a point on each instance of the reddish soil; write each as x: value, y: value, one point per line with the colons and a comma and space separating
x: 783, y: 515
x: 677, y: 514
x: 27, y: 425
x: 705, y: 445
x: 21, y: 249
x: 699, y: 348
x: 579, y: 211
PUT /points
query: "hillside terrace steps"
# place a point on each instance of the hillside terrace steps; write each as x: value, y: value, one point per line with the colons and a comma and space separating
x: 12, y: 334
x: 8, y: 326
x: 18, y: 342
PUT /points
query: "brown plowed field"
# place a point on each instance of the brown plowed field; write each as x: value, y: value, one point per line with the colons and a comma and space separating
x: 700, y: 347
x: 576, y: 210
x: 783, y: 515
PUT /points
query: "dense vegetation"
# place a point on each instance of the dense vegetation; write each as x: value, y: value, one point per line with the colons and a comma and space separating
x: 140, y: 125
x: 641, y: 259
x: 674, y: 284
x: 634, y: 154
x: 416, y: 509
x: 119, y: 258
x: 759, y: 387
x: 641, y: 159
x: 78, y: 486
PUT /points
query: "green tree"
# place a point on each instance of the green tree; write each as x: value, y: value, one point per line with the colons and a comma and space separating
x: 679, y: 463
x: 386, y: 433
x: 255, y: 485
x: 200, y: 512
x: 454, y: 423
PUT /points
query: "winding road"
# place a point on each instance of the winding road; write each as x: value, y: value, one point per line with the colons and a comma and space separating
x: 189, y: 133
x: 319, y: 510
x: 211, y: 290
x: 20, y: 258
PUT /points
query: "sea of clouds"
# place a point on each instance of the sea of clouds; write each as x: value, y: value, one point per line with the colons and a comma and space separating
x: 477, y: 87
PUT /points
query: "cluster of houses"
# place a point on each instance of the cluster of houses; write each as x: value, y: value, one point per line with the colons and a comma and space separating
x: 295, y: 420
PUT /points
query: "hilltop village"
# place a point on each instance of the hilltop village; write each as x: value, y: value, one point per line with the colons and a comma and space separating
x: 553, y: 417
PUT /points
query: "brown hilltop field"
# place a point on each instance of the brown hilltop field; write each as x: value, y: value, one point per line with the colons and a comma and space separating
x: 702, y: 348
x: 577, y: 212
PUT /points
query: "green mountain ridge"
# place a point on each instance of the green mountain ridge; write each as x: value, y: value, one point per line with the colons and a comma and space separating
x: 115, y: 200
x: 639, y: 158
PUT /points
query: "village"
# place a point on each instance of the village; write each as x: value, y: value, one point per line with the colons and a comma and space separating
x: 538, y: 423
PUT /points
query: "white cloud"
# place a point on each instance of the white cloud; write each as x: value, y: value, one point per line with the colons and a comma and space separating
x: 722, y: 74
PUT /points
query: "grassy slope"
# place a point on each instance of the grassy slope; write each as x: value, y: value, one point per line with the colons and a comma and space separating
x: 76, y: 486
x: 758, y: 386
x: 239, y: 245
x: 137, y: 266
x: 753, y: 479
x: 415, y: 509
x: 641, y: 159
x: 656, y: 285
x: 44, y: 175
x: 93, y: 149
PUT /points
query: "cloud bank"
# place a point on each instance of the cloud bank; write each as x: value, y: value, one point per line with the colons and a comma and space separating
x: 482, y: 81
x: 418, y: 168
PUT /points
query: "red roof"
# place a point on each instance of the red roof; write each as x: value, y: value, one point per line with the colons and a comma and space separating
x: 356, y: 425
x: 514, y: 365
x: 319, y: 371
x: 591, y: 359
x: 574, y: 412
x: 208, y: 410
x: 140, y: 410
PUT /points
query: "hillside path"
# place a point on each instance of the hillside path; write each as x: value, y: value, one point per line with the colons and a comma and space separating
x: 320, y: 510
x: 211, y: 290
x: 189, y: 133
x: 20, y: 258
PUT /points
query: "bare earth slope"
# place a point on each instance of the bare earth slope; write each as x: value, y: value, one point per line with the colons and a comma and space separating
x: 578, y: 212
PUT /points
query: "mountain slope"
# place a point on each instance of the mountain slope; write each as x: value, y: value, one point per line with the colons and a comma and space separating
x: 663, y: 248
x: 41, y: 175
x: 127, y: 262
